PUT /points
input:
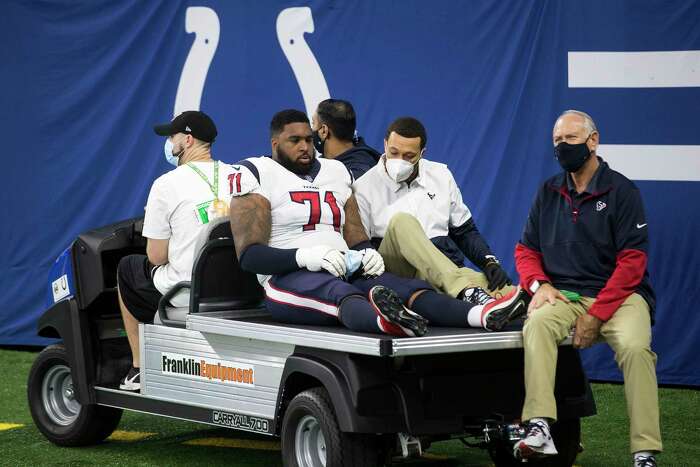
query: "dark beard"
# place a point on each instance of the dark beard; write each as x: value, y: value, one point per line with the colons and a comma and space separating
x: 286, y: 162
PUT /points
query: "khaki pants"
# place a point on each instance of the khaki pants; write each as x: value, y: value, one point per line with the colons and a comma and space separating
x: 408, y: 252
x: 628, y: 332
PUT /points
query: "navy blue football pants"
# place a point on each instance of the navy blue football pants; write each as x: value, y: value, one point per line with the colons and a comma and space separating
x: 319, y: 298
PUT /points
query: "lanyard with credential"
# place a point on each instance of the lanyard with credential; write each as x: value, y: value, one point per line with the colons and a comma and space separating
x: 220, y: 208
x: 215, y: 187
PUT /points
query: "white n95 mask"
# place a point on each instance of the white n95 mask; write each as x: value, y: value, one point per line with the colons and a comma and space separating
x: 398, y: 169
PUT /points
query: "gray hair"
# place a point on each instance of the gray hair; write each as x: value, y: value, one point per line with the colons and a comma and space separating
x: 588, y: 122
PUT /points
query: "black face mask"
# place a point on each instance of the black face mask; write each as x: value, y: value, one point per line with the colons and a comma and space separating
x: 571, y: 157
x: 318, y: 142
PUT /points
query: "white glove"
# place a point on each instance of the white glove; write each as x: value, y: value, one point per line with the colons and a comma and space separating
x: 372, y: 262
x: 320, y: 257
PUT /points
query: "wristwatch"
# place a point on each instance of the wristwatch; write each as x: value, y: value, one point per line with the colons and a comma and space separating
x: 536, y: 285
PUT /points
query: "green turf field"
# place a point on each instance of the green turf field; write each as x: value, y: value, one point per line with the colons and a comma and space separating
x: 148, y: 440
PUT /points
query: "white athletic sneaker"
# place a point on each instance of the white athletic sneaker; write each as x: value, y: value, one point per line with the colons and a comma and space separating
x: 132, y: 380
x: 644, y: 461
x: 537, y: 443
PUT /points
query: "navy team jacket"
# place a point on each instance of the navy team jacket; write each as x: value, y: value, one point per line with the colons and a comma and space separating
x: 359, y: 159
x: 594, y: 243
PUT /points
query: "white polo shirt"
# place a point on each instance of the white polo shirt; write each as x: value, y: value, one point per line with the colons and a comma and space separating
x: 433, y: 198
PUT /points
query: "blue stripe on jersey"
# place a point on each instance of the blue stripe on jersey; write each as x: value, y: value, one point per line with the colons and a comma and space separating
x: 352, y: 177
x: 250, y: 166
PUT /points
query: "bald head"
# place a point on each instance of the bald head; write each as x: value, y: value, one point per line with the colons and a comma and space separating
x: 575, y: 127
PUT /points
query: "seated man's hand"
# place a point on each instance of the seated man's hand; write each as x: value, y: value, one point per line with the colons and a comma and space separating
x: 587, y: 330
x: 372, y: 262
x: 496, y: 276
x: 545, y: 294
x: 320, y: 257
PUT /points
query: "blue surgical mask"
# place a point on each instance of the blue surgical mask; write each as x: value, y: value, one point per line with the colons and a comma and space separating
x: 353, y: 261
x: 169, y: 156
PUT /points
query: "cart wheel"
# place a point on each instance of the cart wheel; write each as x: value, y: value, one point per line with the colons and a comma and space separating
x: 55, y: 410
x: 567, y: 437
x: 311, y: 437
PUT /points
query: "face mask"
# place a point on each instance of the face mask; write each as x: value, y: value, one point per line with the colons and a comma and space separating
x: 169, y: 156
x: 398, y: 169
x: 571, y: 157
x: 318, y: 142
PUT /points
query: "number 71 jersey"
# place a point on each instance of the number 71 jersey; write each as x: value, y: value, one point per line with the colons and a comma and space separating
x: 307, y: 210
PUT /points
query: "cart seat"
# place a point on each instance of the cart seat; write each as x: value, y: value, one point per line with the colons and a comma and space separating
x: 218, y: 282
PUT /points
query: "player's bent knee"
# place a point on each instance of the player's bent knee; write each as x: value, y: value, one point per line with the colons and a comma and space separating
x: 541, y: 320
x: 400, y: 220
x: 532, y: 326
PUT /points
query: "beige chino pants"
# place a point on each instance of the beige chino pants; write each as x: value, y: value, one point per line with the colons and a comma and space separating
x: 408, y: 252
x: 628, y: 332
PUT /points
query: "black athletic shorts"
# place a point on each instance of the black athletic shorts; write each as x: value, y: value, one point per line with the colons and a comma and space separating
x: 135, y: 277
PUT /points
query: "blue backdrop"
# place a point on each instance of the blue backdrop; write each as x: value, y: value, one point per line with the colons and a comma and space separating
x: 82, y: 83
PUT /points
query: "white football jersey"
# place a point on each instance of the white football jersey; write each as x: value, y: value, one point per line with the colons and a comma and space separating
x: 307, y: 210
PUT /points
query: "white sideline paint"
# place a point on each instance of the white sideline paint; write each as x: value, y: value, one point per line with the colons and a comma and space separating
x: 674, y: 69
x: 654, y: 162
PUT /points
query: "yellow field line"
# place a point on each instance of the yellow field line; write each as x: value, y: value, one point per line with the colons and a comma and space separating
x: 9, y: 426
x: 129, y: 436
x: 435, y: 457
x: 235, y: 443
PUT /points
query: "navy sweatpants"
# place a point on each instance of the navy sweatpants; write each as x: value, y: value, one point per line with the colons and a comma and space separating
x: 305, y: 297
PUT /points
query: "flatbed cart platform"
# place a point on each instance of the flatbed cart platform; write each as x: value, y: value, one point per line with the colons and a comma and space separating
x: 333, y: 396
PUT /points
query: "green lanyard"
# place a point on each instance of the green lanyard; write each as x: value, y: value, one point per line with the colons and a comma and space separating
x: 215, y: 187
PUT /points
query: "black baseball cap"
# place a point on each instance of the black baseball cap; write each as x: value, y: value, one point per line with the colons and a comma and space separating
x: 192, y: 122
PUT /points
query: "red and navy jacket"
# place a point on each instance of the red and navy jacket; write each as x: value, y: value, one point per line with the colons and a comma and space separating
x: 594, y: 243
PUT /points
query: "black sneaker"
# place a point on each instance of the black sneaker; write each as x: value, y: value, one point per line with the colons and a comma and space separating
x: 498, y: 313
x: 394, y: 318
x: 476, y: 296
x: 644, y: 461
x: 132, y: 380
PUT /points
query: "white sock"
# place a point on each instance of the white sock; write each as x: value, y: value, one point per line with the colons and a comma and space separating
x: 643, y: 454
x: 474, y: 316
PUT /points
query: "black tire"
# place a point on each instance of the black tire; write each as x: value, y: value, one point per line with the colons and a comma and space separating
x: 566, y: 435
x: 61, y: 418
x: 567, y: 439
x: 341, y: 449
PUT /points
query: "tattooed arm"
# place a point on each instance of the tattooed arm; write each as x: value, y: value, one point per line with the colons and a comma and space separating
x: 251, y: 221
x: 353, y: 231
x: 251, y: 224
